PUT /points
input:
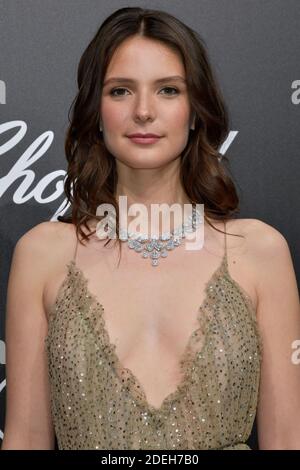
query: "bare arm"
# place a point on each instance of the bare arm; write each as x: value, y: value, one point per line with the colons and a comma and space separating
x: 28, y: 423
x: 278, y: 414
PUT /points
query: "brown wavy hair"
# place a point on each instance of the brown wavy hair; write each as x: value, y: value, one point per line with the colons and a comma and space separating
x: 92, y: 176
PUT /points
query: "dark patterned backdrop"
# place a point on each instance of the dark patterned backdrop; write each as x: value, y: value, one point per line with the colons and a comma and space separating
x: 254, y: 49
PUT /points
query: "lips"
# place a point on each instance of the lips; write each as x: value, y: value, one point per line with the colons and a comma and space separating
x: 139, y: 135
x: 143, y: 139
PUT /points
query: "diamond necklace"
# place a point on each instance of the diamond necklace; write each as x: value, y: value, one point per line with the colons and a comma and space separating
x: 158, y: 246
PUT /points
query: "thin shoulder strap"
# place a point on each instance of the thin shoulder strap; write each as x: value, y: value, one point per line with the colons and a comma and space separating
x: 225, y: 246
x: 75, y: 250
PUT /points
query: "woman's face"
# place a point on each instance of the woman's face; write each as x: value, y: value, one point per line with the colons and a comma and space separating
x: 144, y: 105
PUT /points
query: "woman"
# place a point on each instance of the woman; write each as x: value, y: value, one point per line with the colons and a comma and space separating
x: 112, y: 355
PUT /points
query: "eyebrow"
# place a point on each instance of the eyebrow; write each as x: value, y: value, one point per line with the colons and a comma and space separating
x: 130, y: 80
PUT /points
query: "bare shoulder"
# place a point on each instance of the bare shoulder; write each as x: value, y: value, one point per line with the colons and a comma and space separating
x: 268, y: 252
x: 253, y: 246
x: 46, y: 245
x: 44, y: 232
x: 259, y: 235
x: 263, y: 239
x: 47, y: 232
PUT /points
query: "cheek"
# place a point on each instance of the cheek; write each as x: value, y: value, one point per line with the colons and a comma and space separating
x: 113, y: 116
x: 177, y: 118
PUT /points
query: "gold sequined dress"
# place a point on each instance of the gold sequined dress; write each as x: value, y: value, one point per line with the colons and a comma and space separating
x: 96, y: 403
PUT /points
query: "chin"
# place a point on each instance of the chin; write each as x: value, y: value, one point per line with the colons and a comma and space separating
x: 143, y: 161
x: 149, y: 165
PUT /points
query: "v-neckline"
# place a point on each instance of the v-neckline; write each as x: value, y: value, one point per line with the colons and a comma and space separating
x: 202, y: 320
x: 202, y: 316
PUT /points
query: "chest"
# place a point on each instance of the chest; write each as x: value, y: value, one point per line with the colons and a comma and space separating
x: 149, y: 312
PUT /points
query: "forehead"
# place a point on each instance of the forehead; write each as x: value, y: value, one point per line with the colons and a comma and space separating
x: 140, y: 56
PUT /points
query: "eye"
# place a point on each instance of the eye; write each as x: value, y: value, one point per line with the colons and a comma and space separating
x: 171, y: 88
x: 114, y: 90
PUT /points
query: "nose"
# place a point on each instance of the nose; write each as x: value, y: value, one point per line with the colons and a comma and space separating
x: 144, y: 107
